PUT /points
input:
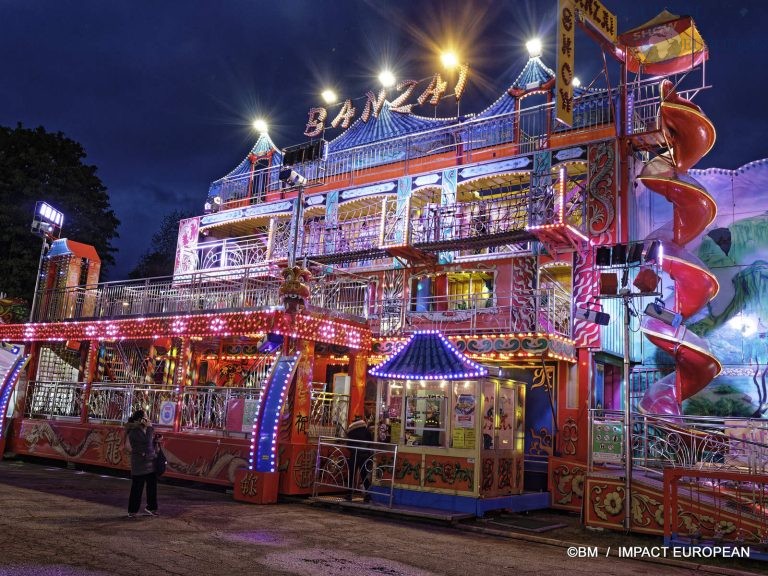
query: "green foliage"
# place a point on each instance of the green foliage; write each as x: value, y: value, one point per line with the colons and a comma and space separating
x: 159, y: 259
x: 702, y: 406
x: 38, y: 165
x: 725, y: 389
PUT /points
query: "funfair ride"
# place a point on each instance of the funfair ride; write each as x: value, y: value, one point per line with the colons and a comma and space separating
x: 458, y: 249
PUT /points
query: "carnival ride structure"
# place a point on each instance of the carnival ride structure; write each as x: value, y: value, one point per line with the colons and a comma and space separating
x: 481, y: 227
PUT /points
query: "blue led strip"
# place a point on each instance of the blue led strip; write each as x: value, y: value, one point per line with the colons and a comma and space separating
x: 263, y: 455
x: 11, y: 374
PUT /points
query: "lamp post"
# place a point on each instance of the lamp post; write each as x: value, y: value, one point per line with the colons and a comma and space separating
x: 46, y: 223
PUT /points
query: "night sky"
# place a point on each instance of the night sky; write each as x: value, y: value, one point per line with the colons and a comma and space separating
x: 162, y: 94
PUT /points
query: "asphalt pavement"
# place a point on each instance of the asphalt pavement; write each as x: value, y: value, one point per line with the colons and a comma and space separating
x: 67, y: 522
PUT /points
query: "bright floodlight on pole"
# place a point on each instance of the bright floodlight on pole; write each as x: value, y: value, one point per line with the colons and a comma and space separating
x: 46, y: 223
x: 329, y: 96
x: 387, y: 79
x: 534, y: 47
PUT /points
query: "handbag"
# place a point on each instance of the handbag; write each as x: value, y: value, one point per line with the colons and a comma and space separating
x: 160, y: 462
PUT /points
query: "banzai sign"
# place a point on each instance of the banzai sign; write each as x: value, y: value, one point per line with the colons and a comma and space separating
x: 601, y: 20
x: 374, y: 103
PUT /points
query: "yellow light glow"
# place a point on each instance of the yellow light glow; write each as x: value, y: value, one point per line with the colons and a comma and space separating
x: 534, y: 47
x: 449, y: 59
x: 260, y: 125
x: 575, y: 82
x: 387, y: 79
x: 329, y: 96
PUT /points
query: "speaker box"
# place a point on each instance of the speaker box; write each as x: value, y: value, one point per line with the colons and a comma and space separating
x: 603, y: 256
x: 647, y: 280
x: 619, y: 255
x: 609, y: 283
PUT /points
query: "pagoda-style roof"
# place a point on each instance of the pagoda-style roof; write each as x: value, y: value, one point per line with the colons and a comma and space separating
x: 388, y: 124
x: 533, y: 75
x: 264, y: 148
x: 428, y: 355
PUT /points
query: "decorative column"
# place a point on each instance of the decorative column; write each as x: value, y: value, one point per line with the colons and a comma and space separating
x: 91, y: 370
x: 179, y: 379
x: 358, y: 369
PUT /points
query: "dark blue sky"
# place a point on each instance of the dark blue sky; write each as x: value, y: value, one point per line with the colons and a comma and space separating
x: 162, y: 94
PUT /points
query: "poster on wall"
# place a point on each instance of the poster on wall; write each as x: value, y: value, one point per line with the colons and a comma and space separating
x: 464, y: 412
x: 607, y: 442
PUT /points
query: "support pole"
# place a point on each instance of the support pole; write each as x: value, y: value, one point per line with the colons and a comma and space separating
x: 37, y: 280
x: 627, y: 420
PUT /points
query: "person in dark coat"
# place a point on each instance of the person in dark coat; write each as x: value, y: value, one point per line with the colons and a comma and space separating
x: 359, y: 456
x: 140, y: 441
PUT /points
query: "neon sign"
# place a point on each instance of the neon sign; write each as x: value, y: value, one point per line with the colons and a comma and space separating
x: 375, y: 102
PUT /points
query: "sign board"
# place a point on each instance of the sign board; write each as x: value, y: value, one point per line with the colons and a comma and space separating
x: 167, y: 413
x: 250, y: 406
x: 607, y: 441
x: 601, y: 20
x: 565, y: 53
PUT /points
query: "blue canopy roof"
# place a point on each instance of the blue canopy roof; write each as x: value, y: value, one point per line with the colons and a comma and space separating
x: 428, y: 355
x: 389, y: 124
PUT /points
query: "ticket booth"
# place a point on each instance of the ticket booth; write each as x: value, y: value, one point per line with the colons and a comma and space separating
x: 459, y: 431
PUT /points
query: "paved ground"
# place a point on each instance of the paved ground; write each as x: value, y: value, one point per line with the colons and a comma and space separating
x: 58, y: 521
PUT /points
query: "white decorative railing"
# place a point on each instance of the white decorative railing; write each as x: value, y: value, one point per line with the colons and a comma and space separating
x: 701, y: 442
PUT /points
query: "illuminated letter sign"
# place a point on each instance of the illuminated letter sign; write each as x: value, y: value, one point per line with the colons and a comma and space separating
x: 565, y: 48
x: 601, y: 19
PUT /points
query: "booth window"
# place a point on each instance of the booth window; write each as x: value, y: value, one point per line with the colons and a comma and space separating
x: 426, y: 407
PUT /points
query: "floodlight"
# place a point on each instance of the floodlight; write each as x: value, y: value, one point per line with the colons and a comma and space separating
x: 657, y: 310
x: 329, y: 96
x: 534, y: 47
x: 652, y: 254
x: 292, y: 178
x: 387, y: 79
x: 595, y: 316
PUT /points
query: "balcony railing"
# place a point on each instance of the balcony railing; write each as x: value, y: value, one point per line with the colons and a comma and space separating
x: 543, y: 310
x: 210, y: 290
x: 463, y: 143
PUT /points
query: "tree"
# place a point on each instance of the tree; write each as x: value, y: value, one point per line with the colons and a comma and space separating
x: 159, y: 259
x: 39, y: 165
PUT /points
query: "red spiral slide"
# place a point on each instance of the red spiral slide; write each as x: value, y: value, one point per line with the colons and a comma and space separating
x: 689, y: 135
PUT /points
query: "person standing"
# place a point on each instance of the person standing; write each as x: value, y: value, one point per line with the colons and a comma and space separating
x: 359, y: 461
x: 140, y: 441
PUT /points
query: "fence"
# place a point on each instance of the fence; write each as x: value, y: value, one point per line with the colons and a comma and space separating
x: 337, y: 460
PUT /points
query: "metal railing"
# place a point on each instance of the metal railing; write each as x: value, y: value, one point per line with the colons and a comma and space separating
x: 209, y: 408
x: 47, y: 399
x: 328, y: 414
x: 202, y: 408
x: 696, y: 442
x: 210, y: 290
x: 524, y: 131
x: 338, y: 459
